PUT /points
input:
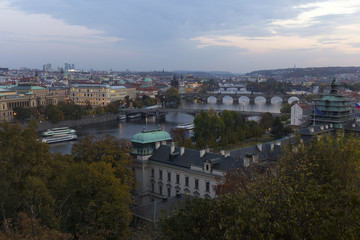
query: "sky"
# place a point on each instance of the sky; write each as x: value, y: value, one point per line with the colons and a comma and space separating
x: 239, y: 36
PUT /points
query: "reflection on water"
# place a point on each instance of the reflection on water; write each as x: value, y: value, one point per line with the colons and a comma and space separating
x: 128, y: 128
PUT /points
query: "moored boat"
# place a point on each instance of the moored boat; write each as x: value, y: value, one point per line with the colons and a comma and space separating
x: 59, y: 138
x: 122, y: 117
x: 186, y: 126
x: 58, y: 131
x: 136, y: 115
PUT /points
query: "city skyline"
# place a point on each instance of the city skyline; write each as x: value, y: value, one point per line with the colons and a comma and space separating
x: 235, y: 36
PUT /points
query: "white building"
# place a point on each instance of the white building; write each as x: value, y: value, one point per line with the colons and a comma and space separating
x: 164, y: 171
x: 299, y: 113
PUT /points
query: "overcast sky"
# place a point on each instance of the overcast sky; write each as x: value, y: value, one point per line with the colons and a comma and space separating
x: 210, y: 35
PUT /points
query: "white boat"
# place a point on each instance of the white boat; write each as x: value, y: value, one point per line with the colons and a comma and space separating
x: 136, y: 115
x: 186, y: 126
x: 58, y: 131
x: 122, y: 117
x: 59, y: 138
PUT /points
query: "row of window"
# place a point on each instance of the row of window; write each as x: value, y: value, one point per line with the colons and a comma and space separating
x: 207, y: 189
x: 177, y: 179
x: 87, y: 95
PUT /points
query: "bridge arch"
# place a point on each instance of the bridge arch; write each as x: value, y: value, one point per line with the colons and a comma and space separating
x: 276, y: 99
x: 293, y: 99
x: 211, y: 99
x: 243, y: 100
x: 260, y: 99
x: 227, y: 99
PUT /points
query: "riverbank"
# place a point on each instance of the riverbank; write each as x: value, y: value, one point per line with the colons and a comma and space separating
x: 42, y: 126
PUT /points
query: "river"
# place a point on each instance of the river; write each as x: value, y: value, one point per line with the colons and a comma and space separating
x: 128, y: 128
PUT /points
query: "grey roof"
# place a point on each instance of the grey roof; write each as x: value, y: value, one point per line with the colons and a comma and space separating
x: 191, y: 157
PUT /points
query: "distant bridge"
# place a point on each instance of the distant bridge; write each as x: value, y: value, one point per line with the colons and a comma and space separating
x: 161, y: 112
x: 239, y: 97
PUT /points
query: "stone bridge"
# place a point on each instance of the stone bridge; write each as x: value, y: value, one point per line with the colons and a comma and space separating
x: 191, y: 97
x: 161, y: 112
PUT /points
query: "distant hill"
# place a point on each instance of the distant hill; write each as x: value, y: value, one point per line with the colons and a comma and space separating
x: 302, y: 72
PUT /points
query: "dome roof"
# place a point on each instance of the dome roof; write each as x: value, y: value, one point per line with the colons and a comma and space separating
x: 148, y: 80
x: 151, y: 136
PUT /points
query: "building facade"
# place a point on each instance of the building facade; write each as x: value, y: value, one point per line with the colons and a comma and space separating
x: 299, y: 113
x: 163, y: 170
x: 98, y: 94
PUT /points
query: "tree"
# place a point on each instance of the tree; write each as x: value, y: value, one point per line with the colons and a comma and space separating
x: 286, y: 108
x: 267, y: 120
x: 25, y: 165
x: 172, y: 96
x: 277, y: 129
x: 54, y: 114
x: 22, y: 113
x: 309, y: 194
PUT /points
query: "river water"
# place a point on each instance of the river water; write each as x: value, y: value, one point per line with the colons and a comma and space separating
x: 128, y: 128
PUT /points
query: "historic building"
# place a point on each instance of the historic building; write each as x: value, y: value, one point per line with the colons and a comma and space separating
x: 332, y: 113
x: 99, y: 94
x: 27, y: 96
x: 163, y: 170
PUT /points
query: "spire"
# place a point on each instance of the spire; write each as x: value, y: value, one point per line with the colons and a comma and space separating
x: 335, y: 85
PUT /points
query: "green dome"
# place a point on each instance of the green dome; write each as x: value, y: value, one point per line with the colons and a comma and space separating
x: 151, y: 136
x: 148, y: 80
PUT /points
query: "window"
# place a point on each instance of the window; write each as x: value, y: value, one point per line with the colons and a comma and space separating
x: 207, y: 187
x: 169, y: 192
x: 187, y: 181
x: 152, y: 187
x: 196, y: 183
x: 160, y: 190
x: 160, y: 174
x: 169, y: 177
x: 177, y: 179
x: 152, y: 172
x: 207, y: 167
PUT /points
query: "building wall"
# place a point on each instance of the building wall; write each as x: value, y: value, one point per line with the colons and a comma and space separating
x: 297, y: 115
x: 96, y: 95
x: 154, y: 184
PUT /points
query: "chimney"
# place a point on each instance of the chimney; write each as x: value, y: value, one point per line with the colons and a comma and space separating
x: 182, y: 150
x: 202, y: 152
x: 272, y: 146
x: 222, y: 152
x: 172, y: 149
x: 157, y: 145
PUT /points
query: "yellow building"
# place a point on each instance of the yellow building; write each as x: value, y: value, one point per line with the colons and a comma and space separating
x: 98, y: 94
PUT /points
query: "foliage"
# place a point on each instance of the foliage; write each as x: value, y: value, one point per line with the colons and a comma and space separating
x: 270, y: 86
x: 267, y: 120
x: 312, y: 193
x: 172, y: 97
x: 86, y: 194
x: 22, y: 113
x: 278, y: 130
x: 227, y: 127
x: 25, y: 227
x: 148, y: 101
x: 286, y: 108
x: 54, y: 114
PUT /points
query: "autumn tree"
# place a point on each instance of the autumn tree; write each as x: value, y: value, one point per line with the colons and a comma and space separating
x: 311, y: 193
